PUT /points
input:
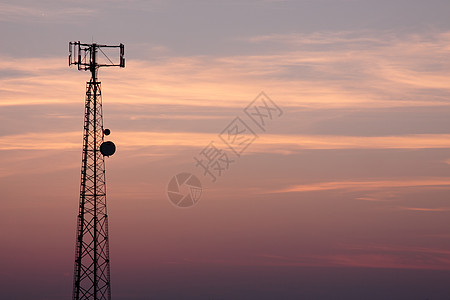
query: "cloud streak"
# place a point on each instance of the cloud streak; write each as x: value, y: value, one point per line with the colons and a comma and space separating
x: 268, y: 143
x: 326, y: 70
x: 31, y: 13
x: 366, y: 185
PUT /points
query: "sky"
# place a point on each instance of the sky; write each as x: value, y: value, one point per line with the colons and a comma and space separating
x: 342, y: 194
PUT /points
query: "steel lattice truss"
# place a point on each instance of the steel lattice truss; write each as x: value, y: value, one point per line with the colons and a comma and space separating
x: 92, y: 273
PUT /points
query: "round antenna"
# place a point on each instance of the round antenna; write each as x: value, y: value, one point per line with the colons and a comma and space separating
x: 106, y: 131
x: 107, y: 148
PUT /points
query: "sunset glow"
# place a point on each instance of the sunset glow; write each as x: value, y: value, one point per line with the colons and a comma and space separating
x: 343, y: 195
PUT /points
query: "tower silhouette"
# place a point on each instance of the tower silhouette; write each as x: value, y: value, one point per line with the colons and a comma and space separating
x: 92, y: 271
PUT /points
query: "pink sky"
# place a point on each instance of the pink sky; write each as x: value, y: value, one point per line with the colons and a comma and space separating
x: 345, y: 193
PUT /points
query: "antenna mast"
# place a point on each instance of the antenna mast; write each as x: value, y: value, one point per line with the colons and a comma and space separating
x: 92, y: 271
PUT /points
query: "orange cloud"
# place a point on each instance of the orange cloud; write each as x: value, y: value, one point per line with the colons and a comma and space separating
x: 266, y: 143
x: 293, y: 142
x: 366, y: 185
x: 423, y: 209
x: 363, y: 71
x: 369, y: 256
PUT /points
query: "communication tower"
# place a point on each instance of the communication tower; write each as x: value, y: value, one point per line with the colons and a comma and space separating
x: 92, y: 271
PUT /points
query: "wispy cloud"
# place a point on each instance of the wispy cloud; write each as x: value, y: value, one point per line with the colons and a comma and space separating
x: 424, y: 209
x: 30, y: 12
x: 359, y: 256
x: 297, y: 142
x: 366, y: 185
x: 369, y: 256
x: 270, y: 143
x: 358, y: 70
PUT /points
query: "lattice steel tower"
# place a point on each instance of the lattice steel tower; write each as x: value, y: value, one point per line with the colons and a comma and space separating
x: 91, y: 271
